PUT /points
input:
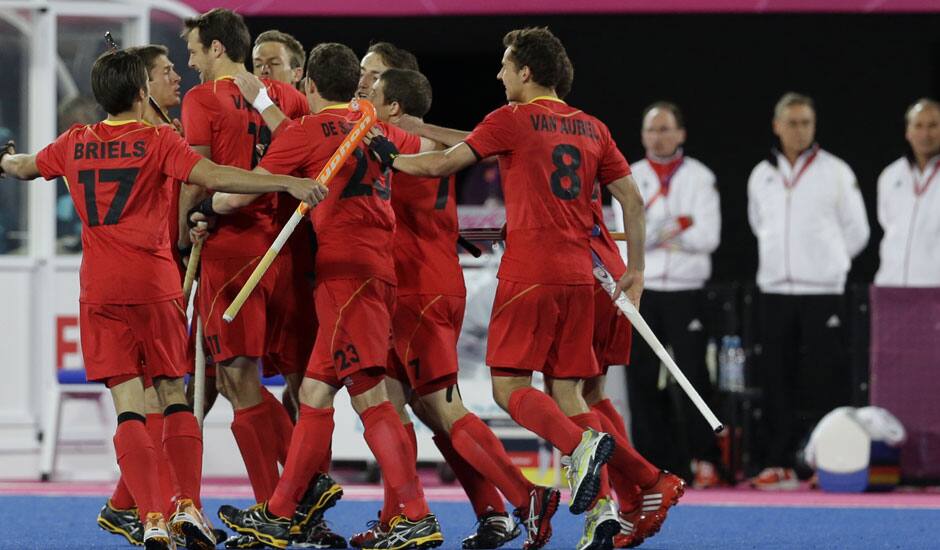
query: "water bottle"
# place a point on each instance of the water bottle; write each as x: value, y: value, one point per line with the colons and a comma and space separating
x: 731, y: 361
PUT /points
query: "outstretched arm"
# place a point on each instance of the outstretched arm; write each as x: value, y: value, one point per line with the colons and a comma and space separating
x: 20, y: 166
x: 254, y: 91
x: 447, y: 136
x: 436, y: 163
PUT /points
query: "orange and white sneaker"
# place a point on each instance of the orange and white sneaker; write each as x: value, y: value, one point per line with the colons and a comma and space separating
x: 706, y: 475
x: 156, y: 535
x: 776, y: 479
x: 656, y: 502
x: 189, y: 525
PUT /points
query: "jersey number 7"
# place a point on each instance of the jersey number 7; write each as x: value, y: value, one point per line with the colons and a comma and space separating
x: 90, y: 179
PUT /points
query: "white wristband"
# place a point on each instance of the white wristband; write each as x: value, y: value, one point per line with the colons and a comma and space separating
x: 262, y: 102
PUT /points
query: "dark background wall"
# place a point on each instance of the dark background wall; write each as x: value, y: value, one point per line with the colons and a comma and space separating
x: 726, y: 71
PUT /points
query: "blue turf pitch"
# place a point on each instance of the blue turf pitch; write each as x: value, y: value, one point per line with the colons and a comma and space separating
x: 69, y: 522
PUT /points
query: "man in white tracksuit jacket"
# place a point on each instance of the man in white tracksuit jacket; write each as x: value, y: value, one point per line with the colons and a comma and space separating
x: 807, y: 212
x: 909, y: 205
x: 683, y: 226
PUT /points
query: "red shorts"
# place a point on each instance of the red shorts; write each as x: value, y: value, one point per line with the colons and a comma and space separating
x: 146, y: 340
x: 613, y: 333
x: 355, y: 319
x: 425, y: 329
x: 291, y: 308
x: 545, y: 328
x: 249, y: 334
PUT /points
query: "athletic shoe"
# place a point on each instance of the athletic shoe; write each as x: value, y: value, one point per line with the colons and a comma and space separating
x: 404, y: 533
x: 156, y: 536
x: 537, y: 516
x: 375, y: 530
x: 776, y: 479
x: 189, y: 525
x: 656, y: 502
x: 584, y: 468
x: 122, y: 522
x: 706, y: 475
x: 629, y: 521
x: 494, y: 529
x: 601, y: 523
x: 219, y: 535
x: 243, y: 541
x: 256, y: 521
x: 322, y: 494
x: 318, y: 535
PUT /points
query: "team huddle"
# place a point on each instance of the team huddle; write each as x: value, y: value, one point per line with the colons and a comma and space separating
x: 367, y: 294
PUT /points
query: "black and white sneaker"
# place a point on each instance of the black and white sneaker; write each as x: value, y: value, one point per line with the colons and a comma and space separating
x: 122, y: 522
x: 243, y: 541
x: 322, y: 494
x: 404, y: 533
x: 257, y: 522
x: 494, y: 529
x: 318, y: 535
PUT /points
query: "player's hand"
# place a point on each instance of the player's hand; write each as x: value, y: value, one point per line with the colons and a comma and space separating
x: 383, y: 150
x: 407, y: 123
x: 199, y: 231
x: 249, y: 85
x: 204, y: 213
x: 178, y: 126
x: 309, y: 191
x: 373, y: 133
x: 9, y: 148
x: 630, y: 284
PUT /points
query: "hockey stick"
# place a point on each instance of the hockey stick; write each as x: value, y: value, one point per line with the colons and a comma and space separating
x: 627, y: 307
x: 191, y: 268
x: 333, y: 165
x: 493, y: 234
x: 153, y: 103
x: 199, y: 385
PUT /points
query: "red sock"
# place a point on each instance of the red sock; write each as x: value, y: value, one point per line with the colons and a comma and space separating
x: 182, y: 442
x: 477, y: 444
x: 482, y: 493
x: 538, y: 413
x: 628, y: 463
x: 279, y: 436
x: 628, y: 493
x: 591, y: 420
x: 327, y: 460
x: 137, y: 458
x: 388, y: 440
x: 307, y: 449
x: 168, y: 489
x: 391, y: 503
x: 607, y: 410
x: 249, y: 426
x: 121, y: 498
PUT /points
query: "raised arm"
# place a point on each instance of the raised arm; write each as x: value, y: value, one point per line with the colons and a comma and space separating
x: 447, y: 136
x: 626, y: 192
x: 20, y: 166
x: 254, y: 91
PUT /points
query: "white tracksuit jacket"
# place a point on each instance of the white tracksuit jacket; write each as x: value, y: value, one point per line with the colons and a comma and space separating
x: 687, y: 264
x: 807, y: 234
x: 909, y: 213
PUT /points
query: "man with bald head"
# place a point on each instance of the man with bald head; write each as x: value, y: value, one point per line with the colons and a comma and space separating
x: 683, y: 226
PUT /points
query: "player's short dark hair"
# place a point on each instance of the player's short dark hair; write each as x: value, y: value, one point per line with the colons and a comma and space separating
x: 225, y: 26
x: 334, y: 69
x: 116, y: 79
x: 667, y: 106
x: 410, y: 89
x: 563, y: 88
x: 149, y: 54
x: 791, y: 99
x: 293, y: 46
x: 539, y: 50
x: 394, y: 57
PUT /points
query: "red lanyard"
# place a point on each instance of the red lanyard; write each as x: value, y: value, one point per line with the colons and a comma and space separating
x: 790, y: 184
x: 920, y: 187
x: 664, y: 181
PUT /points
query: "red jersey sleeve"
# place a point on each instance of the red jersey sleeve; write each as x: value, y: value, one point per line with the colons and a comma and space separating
x: 612, y: 166
x: 407, y: 144
x: 290, y: 151
x: 51, y: 159
x: 290, y: 101
x: 177, y: 159
x: 199, y: 109
x: 495, y: 135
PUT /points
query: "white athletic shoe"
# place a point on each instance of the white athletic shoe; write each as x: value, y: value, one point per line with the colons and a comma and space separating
x: 601, y: 524
x: 584, y: 468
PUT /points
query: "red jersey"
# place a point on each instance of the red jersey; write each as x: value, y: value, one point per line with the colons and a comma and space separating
x: 550, y: 155
x: 118, y: 175
x: 426, y: 236
x: 215, y: 114
x: 355, y: 224
x: 602, y: 243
